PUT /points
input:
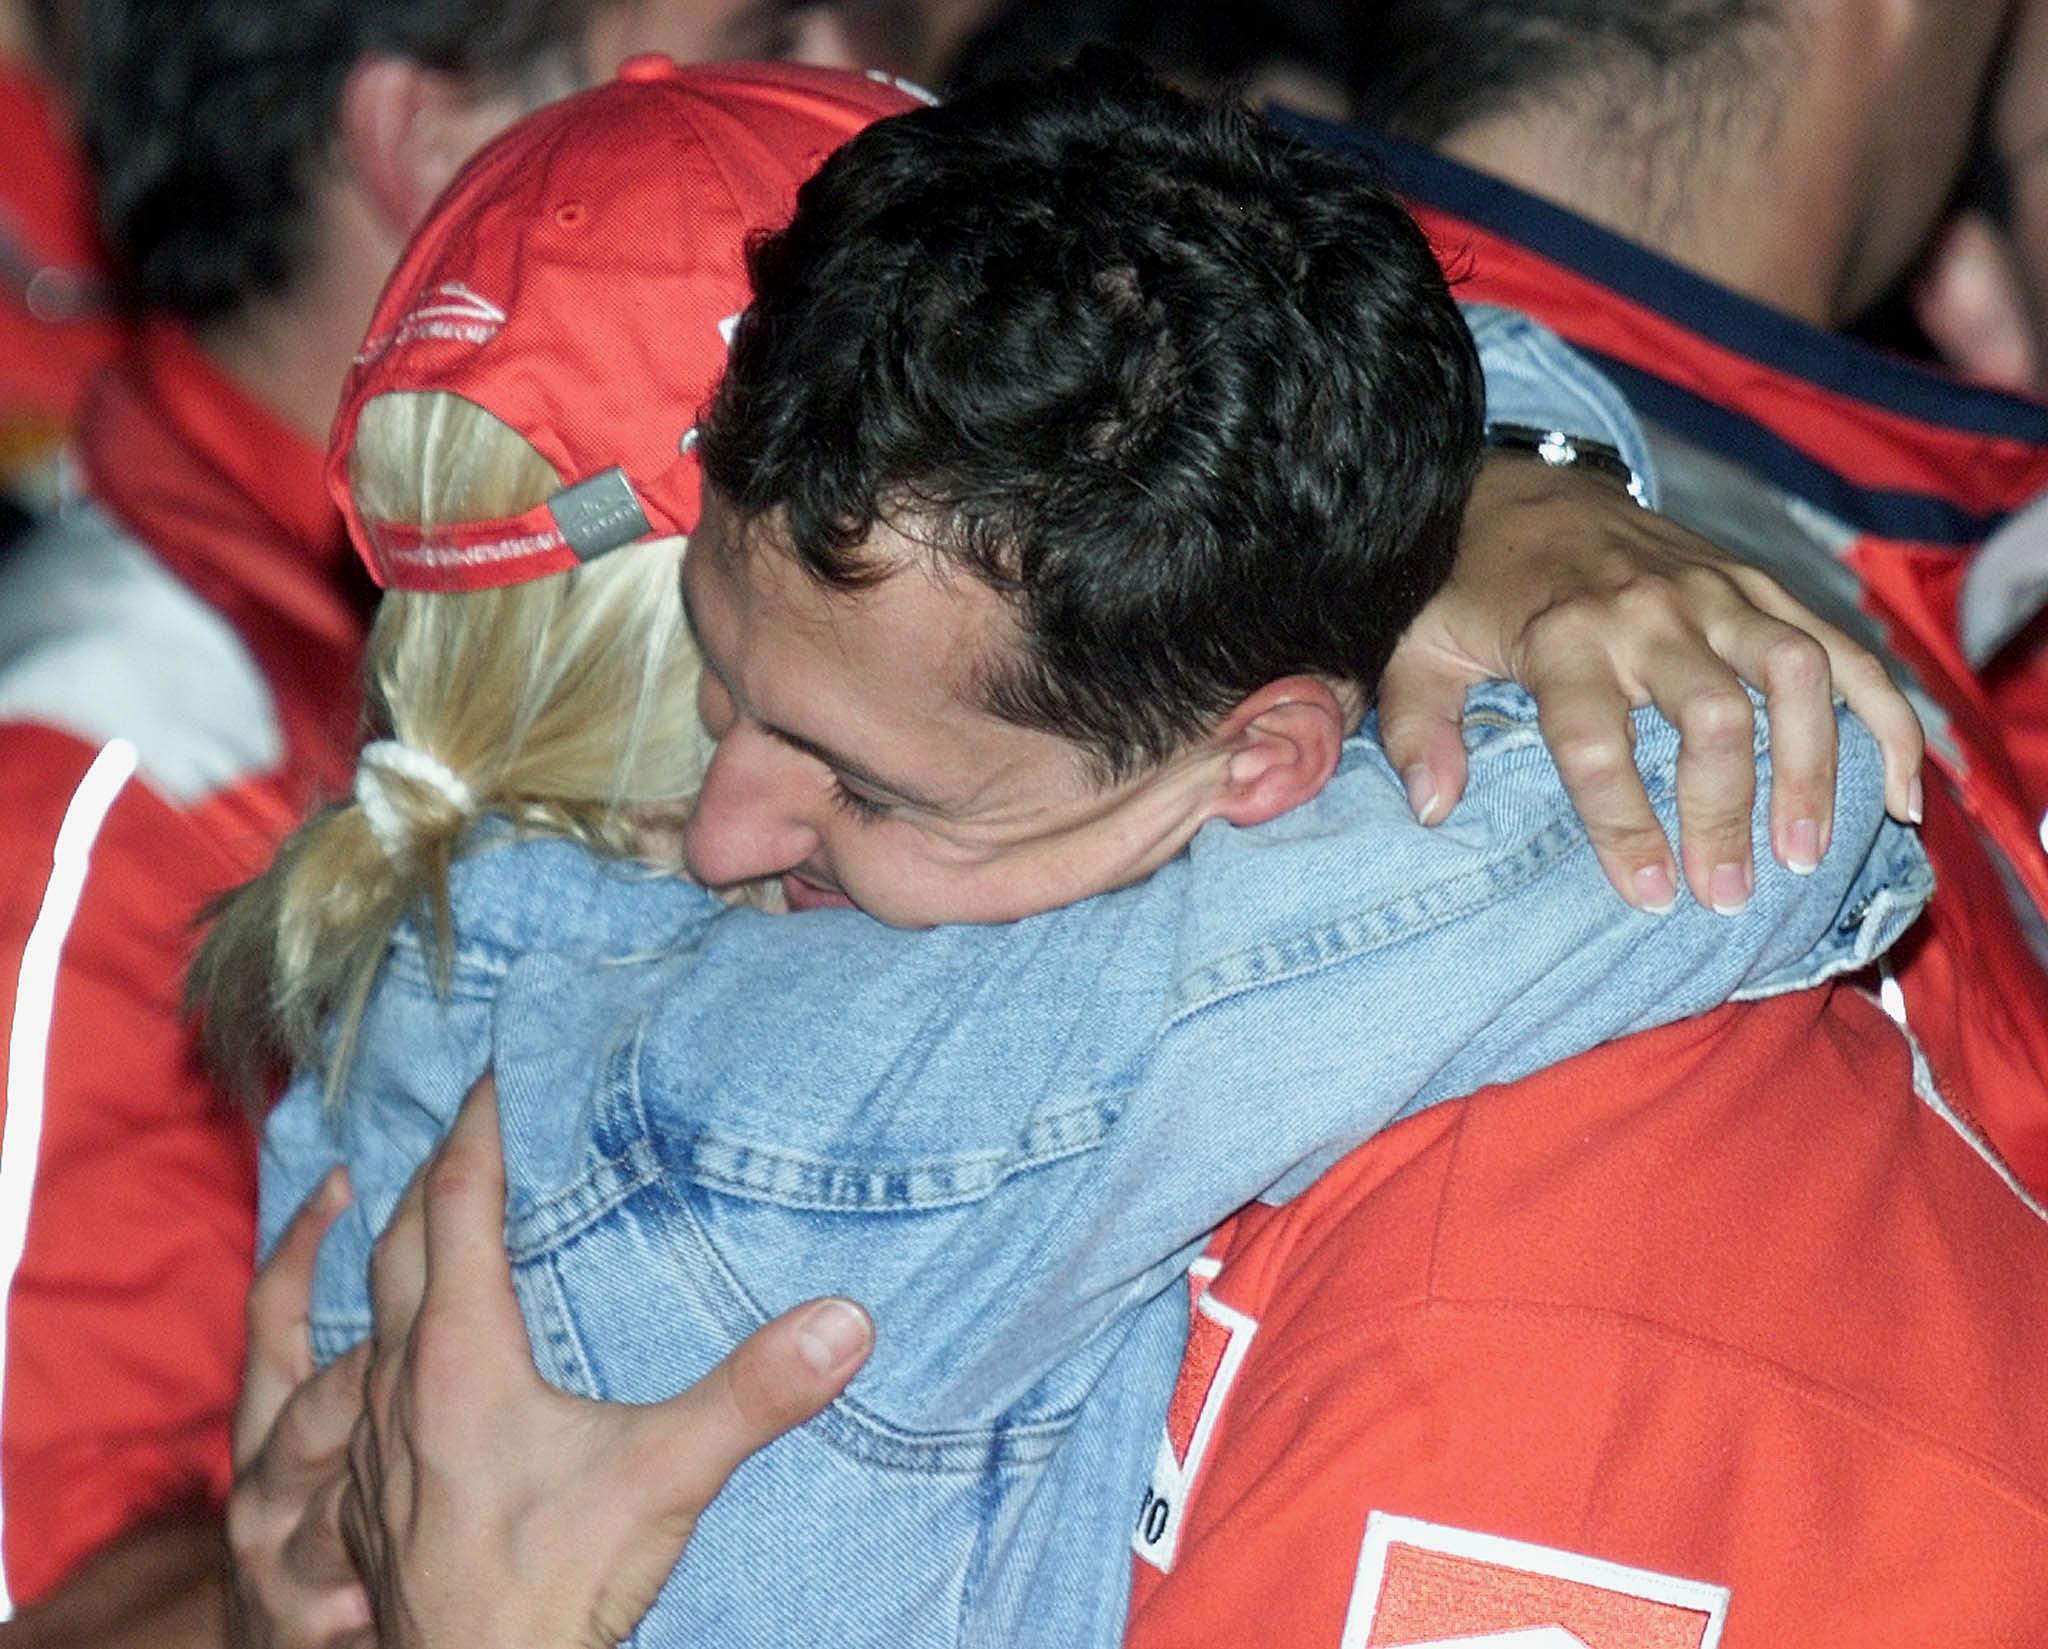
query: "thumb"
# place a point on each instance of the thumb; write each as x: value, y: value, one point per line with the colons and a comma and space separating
x: 279, y: 1356
x: 1422, y: 712
x: 778, y: 1377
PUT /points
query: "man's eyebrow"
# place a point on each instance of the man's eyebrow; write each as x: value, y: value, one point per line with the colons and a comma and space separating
x: 864, y: 776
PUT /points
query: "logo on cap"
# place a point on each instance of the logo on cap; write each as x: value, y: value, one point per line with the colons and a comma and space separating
x: 449, y: 311
x: 1431, y: 1586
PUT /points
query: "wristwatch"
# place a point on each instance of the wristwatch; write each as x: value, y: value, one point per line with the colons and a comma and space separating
x: 1562, y: 451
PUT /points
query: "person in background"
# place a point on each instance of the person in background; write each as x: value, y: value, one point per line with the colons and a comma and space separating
x: 917, y: 38
x: 1981, y: 296
x: 1533, y: 1422
x: 1293, y: 52
x: 178, y: 681
x: 56, y: 325
x: 1710, y: 292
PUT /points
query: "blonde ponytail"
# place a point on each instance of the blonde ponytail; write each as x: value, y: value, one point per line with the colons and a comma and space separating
x: 567, y: 704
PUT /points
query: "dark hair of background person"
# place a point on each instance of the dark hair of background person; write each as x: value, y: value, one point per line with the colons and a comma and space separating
x: 1191, y: 395
x: 51, y: 28
x: 1213, y: 46
x: 887, y: 33
x: 1429, y: 67
x: 206, y: 121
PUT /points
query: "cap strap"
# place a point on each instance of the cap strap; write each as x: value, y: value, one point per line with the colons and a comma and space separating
x: 576, y: 525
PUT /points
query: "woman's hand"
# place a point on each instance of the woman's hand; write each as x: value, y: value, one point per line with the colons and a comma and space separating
x: 1598, y: 607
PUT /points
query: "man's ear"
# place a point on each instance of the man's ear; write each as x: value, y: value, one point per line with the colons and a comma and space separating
x: 406, y: 129
x: 1280, y: 747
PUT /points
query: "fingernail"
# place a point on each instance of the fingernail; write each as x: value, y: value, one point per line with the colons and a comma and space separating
x: 1802, y: 847
x: 832, y: 1334
x: 1420, y: 784
x: 1655, y: 891
x: 335, y: 1190
x: 1915, y: 799
x: 1728, y: 889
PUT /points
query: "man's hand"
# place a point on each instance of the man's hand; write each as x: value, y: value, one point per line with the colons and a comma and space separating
x: 565, y: 1537
x: 293, y: 1584
x: 1598, y: 607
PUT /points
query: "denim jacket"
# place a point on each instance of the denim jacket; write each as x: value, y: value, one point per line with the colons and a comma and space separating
x: 1008, y: 1142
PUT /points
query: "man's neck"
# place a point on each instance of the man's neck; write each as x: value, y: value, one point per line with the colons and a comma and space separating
x: 292, y: 351
x: 1762, y: 209
x: 17, y: 40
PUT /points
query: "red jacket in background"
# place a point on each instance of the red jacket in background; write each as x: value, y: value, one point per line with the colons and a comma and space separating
x: 178, y: 663
x: 54, y: 324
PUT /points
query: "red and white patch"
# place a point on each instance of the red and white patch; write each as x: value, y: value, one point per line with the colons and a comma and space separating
x: 1430, y: 1586
x: 1218, y: 1339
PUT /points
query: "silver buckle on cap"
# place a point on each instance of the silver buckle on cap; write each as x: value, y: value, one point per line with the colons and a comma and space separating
x: 599, y: 514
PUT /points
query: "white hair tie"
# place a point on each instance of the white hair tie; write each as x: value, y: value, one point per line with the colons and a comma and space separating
x: 380, y: 812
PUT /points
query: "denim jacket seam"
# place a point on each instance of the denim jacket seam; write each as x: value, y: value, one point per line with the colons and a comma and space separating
x: 1870, y: 930
x: 1275, y: 962
x: 776, y: 1175
x: 850, y: 1426
x: 476, y: 967
x: 541, y: 1229
x: 800, y: 1182
x: 603, y: 1185
x: 1002, y: 1447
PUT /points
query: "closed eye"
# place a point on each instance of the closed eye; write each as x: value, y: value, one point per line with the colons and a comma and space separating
x: 864, y: 808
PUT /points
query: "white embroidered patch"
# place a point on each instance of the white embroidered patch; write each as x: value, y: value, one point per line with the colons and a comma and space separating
x: 1219, y: 1337
x: 1432, y: 1586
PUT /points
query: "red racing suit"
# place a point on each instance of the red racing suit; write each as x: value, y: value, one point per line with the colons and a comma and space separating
x: 1729, y: 1333
x: 178, y: 657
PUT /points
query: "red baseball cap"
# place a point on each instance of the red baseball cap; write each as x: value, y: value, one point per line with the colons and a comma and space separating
x: 580, y: 280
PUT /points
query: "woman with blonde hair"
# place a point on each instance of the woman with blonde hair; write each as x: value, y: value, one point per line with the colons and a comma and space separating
x: 563, y: 706
x: 1008, y: 1141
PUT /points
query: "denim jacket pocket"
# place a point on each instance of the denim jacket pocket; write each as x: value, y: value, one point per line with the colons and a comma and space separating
x: 671, y: 1244
x: 635, y: 1280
